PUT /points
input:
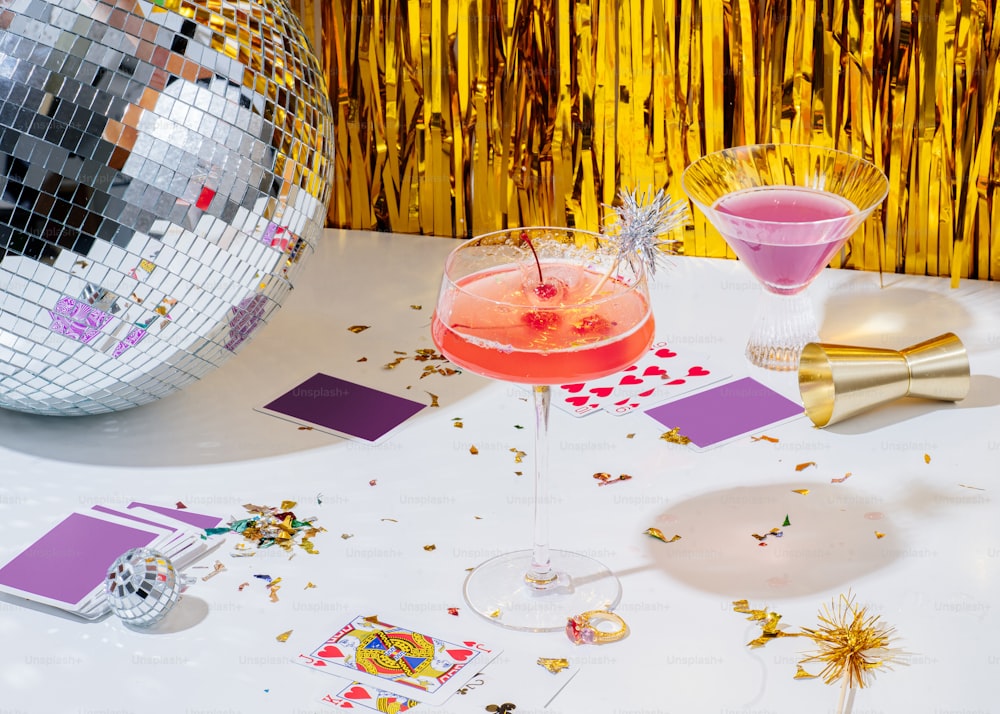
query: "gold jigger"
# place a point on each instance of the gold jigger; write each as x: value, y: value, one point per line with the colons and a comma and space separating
x: 837, y: 381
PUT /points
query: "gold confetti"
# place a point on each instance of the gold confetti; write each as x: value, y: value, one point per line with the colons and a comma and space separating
x: 630, y: 436
x: 307, y: 546
x: 851, y: 643
x: 602, y: 476
x: 623, y: 477
x: 658, y: 534
x: 458, y: 423
x: 361, y: 359
x: 674, y: 436
x: 358, y: 328
x: 519, y: 473
x: 434, y: 399
x: 495, y: 614
x: 346, y: 536
x: 805, y: 465
x: 553, y: 664
x: 518, y: 455
x: 416, y: 307
x: 879, y: 534
x: 305, y: 428
x: 801, y: 491
x: 801, y: 673
x: 395, y: 363
x: 770, y: 439
x: 473, y: 450
x: 288, y: 505
x: 430, y: 547
x: 309, y: 585
x: 283, y: 637
x: 217, y: 568
x: 773, y: 532
x: 841, y: 479
x: 273, y: 587
x: 927, y: 458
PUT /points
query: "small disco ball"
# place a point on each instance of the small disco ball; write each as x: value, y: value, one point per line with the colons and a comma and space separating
x: 165, y: 167
x: 142, y: 587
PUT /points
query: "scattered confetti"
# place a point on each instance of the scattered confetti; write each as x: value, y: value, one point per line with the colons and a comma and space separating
x: 395, y: 363
x: 519, y: 473
x: 518, y: 426
x: 879, y: 534
x: 658, y: 534
x: 786, y: 522
x: 242, y: 586
x: 770, y: 439
x: 602, y: 476
x: 319, y: 499
x: 769, y: 628
x: 803, y: 466
x: 361, y: 359
x: 495, y: 614
x: 518, y: 455
x: 265, y: 578
x: 309, y: 585
x: 801, y: 491
x: 346, y: 536
x: 373, y: 482
x: 273, y: 588
x: 430, y: 547
x: 434, y: 400
x: 623, y: 477
x: 391, y: 520
x: 974, y: 488
x: 268, y: 526
x: 674, y: 436
x: 181, y: 505
x: 776, y: 532
x: 630, y: 436
x: 473, y: 450
x: 453, y: 611
x: 801, y: 673
x: 553, y: 664
x: 358, y: 328
x: 305, y: 428
x: 283, y: 637
x: 841, y: 479
x: 416, y: 307
x: 216, y: 569
x: 927, y: 458
x: 458, y: 423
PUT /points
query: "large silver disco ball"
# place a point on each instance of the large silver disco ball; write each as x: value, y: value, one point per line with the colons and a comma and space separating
x: 165, y: 167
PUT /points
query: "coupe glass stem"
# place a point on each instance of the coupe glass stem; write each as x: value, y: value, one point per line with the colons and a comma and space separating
x: 540, y: 575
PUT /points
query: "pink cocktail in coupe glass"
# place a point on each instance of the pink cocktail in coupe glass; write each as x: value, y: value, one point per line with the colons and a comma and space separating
x: 785, y: 210
x: 541, y: 307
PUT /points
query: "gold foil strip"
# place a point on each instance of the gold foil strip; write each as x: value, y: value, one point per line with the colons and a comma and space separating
x: 459, y: 117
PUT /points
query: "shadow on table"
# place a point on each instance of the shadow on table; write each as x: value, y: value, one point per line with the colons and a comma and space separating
x: 829, y: 543
x: 892, y: 317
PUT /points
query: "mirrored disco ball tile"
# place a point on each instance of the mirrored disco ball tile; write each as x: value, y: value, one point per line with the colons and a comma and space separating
x: 165, y: 169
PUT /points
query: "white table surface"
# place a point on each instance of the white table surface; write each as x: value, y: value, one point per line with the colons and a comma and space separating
x: 935, y: 576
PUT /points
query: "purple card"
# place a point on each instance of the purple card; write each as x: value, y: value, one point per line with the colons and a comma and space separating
x: 725, y: 412
x: 343, y: 408
x: 66, y: 564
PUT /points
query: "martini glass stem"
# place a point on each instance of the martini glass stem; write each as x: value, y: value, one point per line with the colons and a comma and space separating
x: 783, y: 326
x: 540, y: 575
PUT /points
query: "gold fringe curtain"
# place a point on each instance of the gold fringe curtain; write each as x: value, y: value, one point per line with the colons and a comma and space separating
x: 457, y: 117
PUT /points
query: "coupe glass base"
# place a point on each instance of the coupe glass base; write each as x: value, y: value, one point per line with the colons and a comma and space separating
x: 497, y: 591
x: 783, y: 326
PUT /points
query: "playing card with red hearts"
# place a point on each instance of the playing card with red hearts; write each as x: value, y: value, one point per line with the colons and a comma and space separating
x: 663, y: 373
x: 405, y: 663
x: 357, y: 696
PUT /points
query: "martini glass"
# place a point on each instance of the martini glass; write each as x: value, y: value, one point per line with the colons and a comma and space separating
x: 541, y: 306
x: 785, y: 210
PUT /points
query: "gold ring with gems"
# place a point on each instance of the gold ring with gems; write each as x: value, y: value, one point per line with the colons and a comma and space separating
x: 581, y: 632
